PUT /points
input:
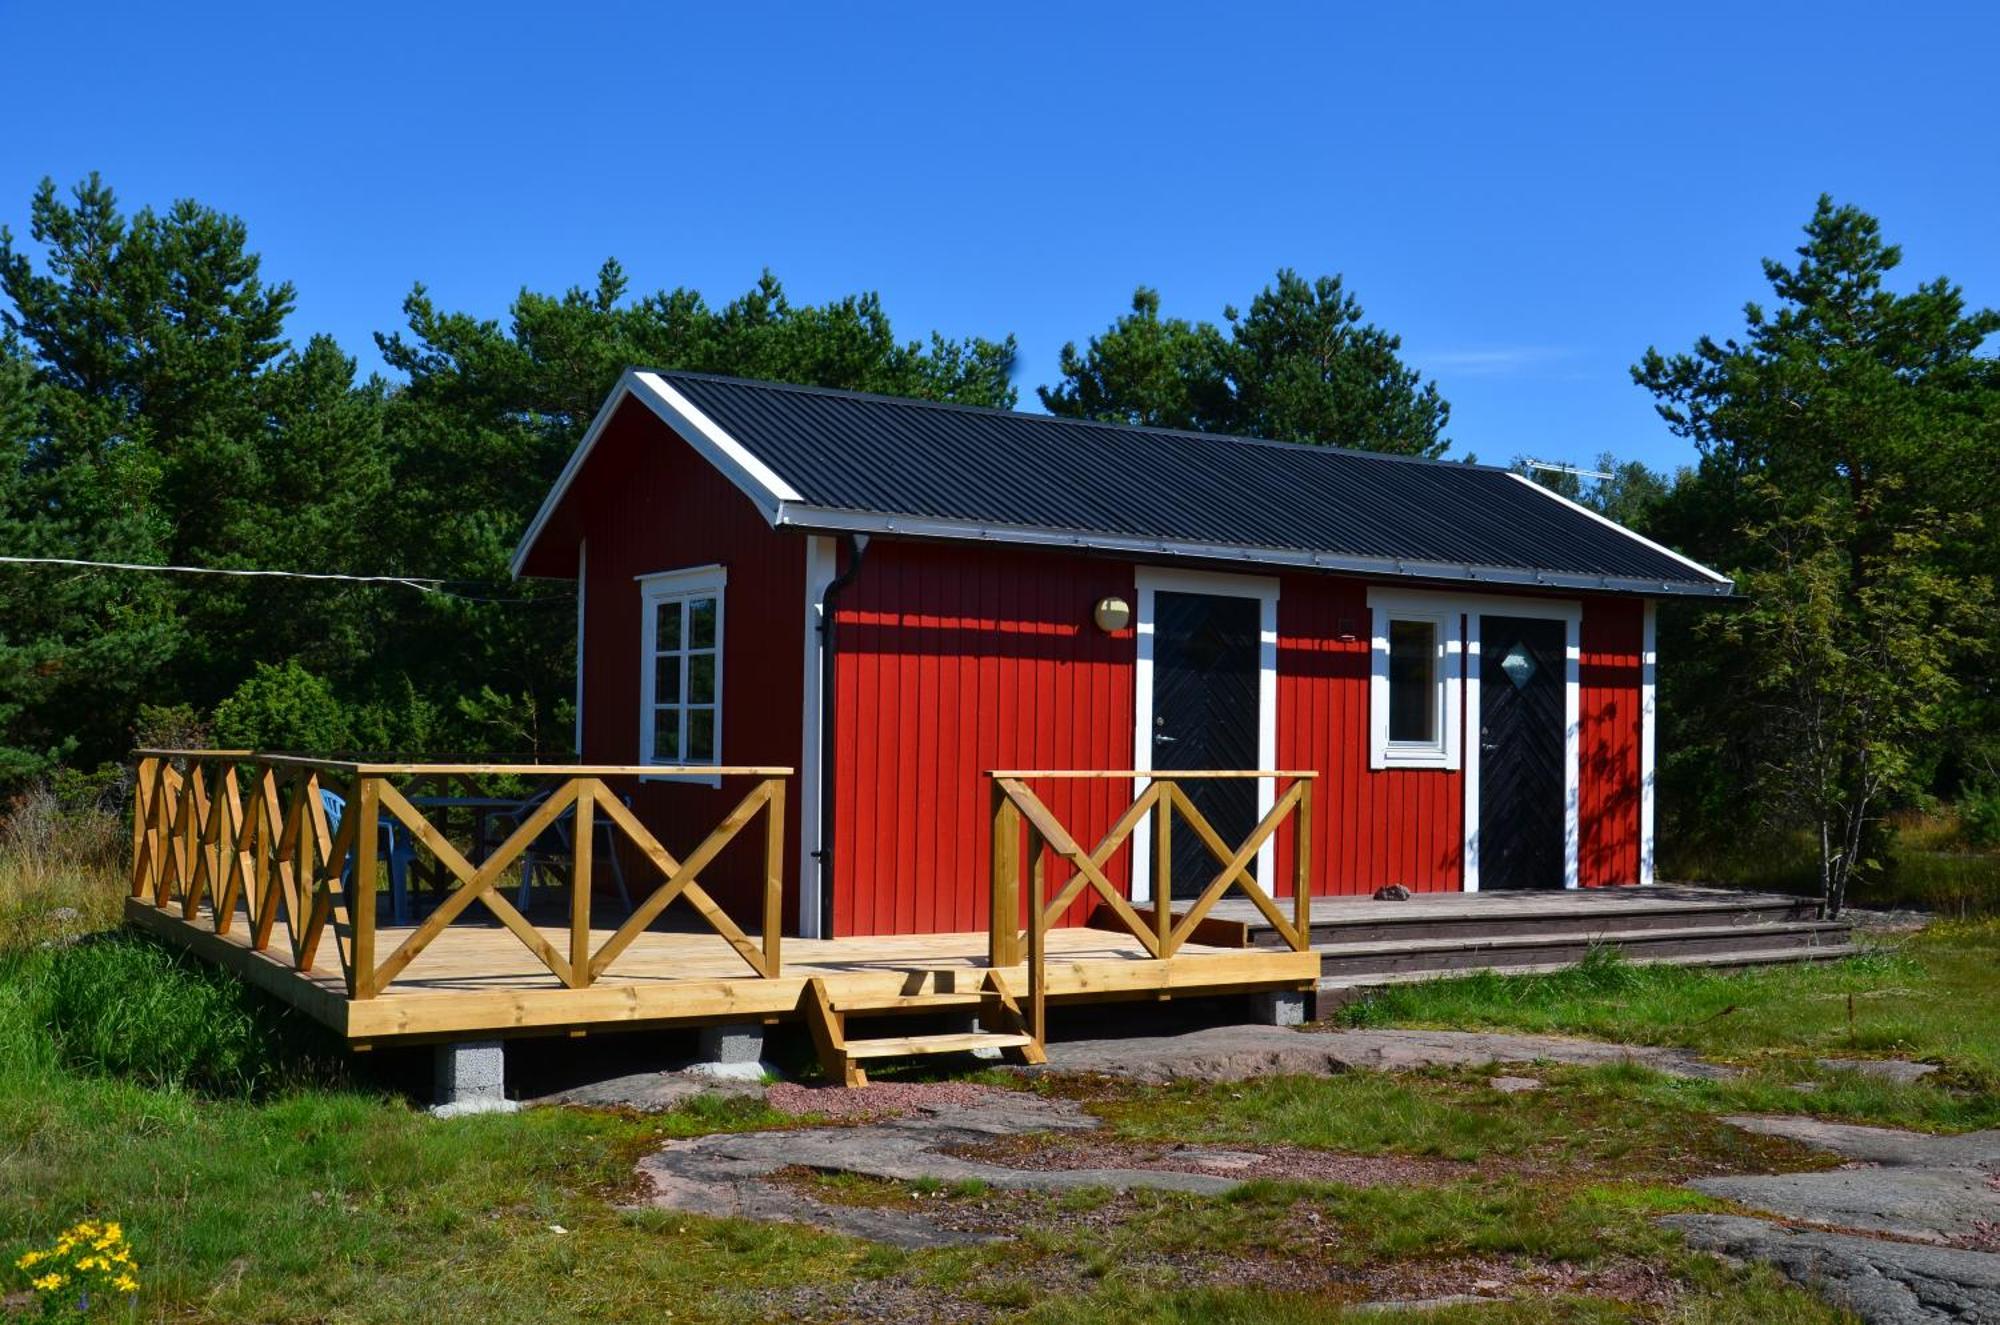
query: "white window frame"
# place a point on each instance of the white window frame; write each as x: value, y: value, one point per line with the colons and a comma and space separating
x: 1446, y: 619
x: 677, y: 586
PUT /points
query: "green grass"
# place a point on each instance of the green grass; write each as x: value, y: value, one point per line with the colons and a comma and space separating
x: 261, y: 1176
x: 1604, y: 1122
x: 1932, y: 998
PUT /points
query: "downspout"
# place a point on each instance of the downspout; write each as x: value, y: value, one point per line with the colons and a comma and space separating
x: 829, y: 707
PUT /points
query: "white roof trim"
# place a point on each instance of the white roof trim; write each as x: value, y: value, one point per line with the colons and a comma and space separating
x: 833, y: 519
x: 1690, y: 563
x: 757, y: 480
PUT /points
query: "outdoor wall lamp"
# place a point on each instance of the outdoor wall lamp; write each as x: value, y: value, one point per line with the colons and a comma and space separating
x: 1112, y: 614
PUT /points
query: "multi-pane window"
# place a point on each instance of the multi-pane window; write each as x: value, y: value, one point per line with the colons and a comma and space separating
x: 681, y: 654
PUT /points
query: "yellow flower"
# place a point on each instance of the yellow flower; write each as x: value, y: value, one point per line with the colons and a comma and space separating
x: 49, y: 1283
x: 92, y: 1262
x: 30, y: 1259
x: 125, y: 1283
x: 114, y: 1230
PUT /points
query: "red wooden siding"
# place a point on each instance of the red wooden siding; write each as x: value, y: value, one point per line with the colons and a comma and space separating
x: 1370, y: 826
x: 956, y: 659
x: 1608, y: 809
x: 953, y: 661
x: 647, y: 503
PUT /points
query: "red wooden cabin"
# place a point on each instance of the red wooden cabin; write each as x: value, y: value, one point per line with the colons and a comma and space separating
x: 897, y: 596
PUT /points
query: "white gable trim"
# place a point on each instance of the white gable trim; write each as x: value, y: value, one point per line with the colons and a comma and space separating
x: 1581, y: 509
x: 763, y: 485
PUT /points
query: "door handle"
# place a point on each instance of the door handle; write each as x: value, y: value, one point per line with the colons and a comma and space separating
x: 1161, y: 738
x: 1489, y: 745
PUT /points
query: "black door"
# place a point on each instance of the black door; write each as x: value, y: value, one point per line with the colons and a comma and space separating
x: 1205, y: 674
x: 1520, y: 753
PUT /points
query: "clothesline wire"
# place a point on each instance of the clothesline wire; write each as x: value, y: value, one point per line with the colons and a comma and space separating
x: 421, y: 583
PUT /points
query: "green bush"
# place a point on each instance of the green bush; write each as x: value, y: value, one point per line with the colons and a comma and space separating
x: 282, y: 708
x: 1979, y: 812
x: 121, y: 1005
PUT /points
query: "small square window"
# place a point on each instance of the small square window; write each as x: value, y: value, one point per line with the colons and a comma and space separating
x: 1413, y: 690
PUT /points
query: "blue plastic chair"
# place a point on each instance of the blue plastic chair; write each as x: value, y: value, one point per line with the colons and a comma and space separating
x: 396, y: 846
x: 553, y: 849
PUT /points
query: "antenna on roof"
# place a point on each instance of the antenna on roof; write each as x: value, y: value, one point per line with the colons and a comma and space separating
x: 1567, y: 469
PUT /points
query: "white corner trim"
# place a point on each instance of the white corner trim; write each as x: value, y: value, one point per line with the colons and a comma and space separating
x: 1468, y: 680
x: 1649, y: 738
x: 1446, y: 616
x: 1570, y: 613
x: 582, y: 591
x: 1148, y: 584
x: 755, y: 479
x: 821, y: 559
x: 1610, y: 523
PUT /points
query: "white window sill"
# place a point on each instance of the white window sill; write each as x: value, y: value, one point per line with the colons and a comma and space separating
x: 1429, y: 756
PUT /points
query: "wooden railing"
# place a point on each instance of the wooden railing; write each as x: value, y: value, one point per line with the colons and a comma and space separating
x: 230, y: 829
x: 1015, y: 804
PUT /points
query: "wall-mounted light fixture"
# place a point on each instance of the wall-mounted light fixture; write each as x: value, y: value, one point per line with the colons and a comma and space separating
x: 1112, y: 614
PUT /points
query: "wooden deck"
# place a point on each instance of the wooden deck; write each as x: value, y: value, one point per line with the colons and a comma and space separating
x: 480, y: 980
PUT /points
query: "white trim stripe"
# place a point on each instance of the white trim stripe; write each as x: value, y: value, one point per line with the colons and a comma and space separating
x: 582, y: 590
x: 1649, y: 737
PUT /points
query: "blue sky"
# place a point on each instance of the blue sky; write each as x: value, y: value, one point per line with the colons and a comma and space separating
x: 1529, y: 195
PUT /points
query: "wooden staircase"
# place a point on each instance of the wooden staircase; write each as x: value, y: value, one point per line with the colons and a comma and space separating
x: 841, y: 1056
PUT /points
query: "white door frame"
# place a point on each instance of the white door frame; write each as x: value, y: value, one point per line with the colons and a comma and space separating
x: 1149, y: 582
x: 1570, y: 613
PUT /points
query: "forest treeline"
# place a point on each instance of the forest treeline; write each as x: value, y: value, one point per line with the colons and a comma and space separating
x: 158, y: 406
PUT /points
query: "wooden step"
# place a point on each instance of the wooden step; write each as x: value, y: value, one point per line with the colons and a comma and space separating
x: 1471, y: 953
x: 956, y: 1042
x: 1354, y: 981
x: 841, y: 1057
x: 862, y: 1005
x: 1623, y: 915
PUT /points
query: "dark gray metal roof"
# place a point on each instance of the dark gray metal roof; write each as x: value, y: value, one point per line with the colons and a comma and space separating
x: 882, y: 456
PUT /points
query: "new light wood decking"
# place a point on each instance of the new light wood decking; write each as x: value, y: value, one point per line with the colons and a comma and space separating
x: 481, y: 980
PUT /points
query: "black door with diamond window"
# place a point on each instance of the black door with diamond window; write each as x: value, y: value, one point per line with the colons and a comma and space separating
x: 1205, y: 679
x: 1520, y: 753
